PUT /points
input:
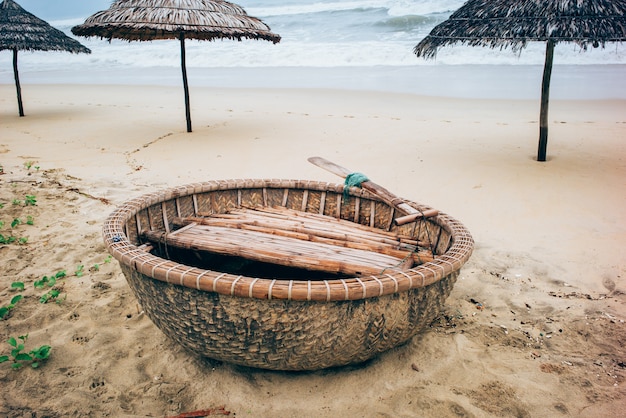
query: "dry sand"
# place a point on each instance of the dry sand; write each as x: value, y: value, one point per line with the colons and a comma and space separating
x: 535, y: 324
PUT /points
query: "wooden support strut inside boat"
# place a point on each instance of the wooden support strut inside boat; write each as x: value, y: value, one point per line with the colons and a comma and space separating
x: 295, y: 239
x: 402, y: 220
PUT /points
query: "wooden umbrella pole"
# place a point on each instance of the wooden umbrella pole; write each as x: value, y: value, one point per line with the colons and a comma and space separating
x: 545, y: 97
x: 17, y: 83
x: 183, y: 60
x: 374, y: 188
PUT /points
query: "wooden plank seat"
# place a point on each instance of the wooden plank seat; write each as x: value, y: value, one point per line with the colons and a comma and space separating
x: 296, y: 239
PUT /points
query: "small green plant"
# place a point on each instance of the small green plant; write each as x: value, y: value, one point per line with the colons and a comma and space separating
x: 49, y: 295
x: 80, y: 270
x: 17, y: 285
x: 19, y: 357
x: 30, y: 200
x: 49, y: 280
x: 4, y: 310
x: 96, y: 267
x: 29, y: 164
x: 7, y: 239
x: 10, y: 239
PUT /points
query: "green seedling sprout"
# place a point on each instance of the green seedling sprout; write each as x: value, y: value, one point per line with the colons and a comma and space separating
x: 4, y: 311
x: 80, y: 270
x: 49, y: 280
x: 7, y: 240
x: 45, y: 280
x: 19, y: 357
x: 96, y: 267
x: 50, y: 295
x: 30, y: 200
x: 17, y: 285
x: 16, y: 222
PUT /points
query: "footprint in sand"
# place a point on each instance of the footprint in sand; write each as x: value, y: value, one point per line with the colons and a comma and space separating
x: 498, y: 399
x: 80, y: 340
x: 98, y: 387
x: 608, y: 284
x: 70, y: 371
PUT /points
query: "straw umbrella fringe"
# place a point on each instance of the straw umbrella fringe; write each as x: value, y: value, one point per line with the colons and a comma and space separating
x: 514, y: 23
x: 21, y: 30
x: 147, y: 20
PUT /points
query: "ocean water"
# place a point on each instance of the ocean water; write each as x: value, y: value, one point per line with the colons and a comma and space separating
x: 322, y: 34
x: 318, y: 33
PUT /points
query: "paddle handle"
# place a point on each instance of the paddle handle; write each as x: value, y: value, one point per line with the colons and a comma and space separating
x: 377, y: 190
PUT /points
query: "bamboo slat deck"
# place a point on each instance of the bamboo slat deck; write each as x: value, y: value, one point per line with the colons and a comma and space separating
x: 294, y: 239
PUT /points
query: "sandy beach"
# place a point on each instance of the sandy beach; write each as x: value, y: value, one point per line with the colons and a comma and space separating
x: 534, y: 326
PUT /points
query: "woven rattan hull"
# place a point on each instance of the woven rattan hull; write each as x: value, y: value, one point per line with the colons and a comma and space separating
x: 284, y: 324
x: 283, y: 334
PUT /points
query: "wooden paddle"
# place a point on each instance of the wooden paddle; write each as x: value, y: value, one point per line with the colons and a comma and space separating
x: 377, y: 190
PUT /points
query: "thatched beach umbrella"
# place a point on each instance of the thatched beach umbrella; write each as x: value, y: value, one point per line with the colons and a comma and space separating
x: 514, y: 23
x: 147, y: 20
x: 20, y: 30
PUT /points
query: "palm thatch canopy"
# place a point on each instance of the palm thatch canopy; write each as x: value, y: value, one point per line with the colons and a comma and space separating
x: 147, y: 20
x: 514, y: 23
x: 23, y: 31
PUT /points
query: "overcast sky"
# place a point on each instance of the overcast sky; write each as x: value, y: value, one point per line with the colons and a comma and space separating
x: 63, y: 9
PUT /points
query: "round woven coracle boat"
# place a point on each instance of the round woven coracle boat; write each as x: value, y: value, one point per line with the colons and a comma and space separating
x: 215, y: 268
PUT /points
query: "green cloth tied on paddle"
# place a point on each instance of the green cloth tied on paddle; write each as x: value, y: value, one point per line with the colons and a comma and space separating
x: 353, y: 180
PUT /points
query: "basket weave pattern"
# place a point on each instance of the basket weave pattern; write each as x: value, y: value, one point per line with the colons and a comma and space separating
x: 287, y: 335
